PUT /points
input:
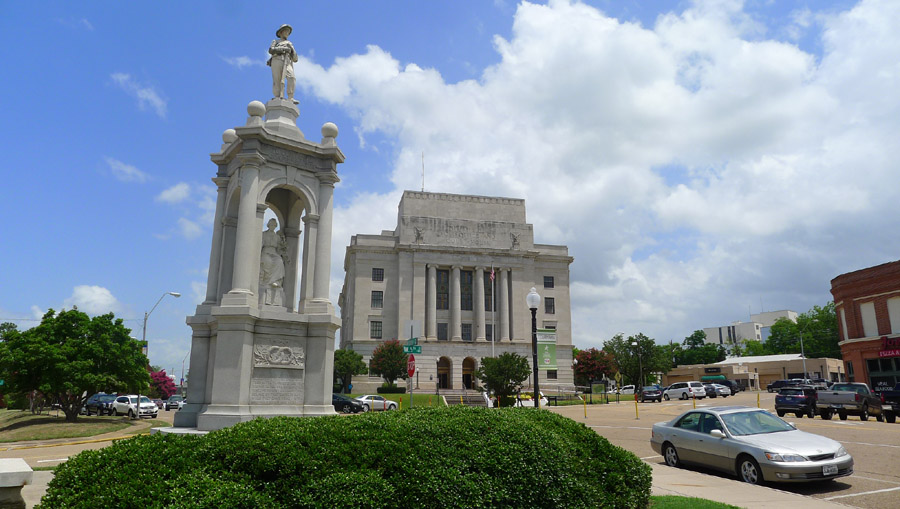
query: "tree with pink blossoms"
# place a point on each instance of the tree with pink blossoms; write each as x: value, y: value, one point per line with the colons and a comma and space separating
x: 161, y: 386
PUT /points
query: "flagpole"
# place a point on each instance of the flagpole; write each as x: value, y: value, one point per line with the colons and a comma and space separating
x: 493, y: 313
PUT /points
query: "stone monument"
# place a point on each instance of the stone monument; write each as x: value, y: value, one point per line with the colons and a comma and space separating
x: 262, y: 345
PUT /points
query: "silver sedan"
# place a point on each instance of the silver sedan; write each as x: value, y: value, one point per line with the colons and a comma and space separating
x: 751, y: 443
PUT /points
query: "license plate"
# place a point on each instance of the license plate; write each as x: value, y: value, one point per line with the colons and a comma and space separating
x: 836, y: 406
x: 829, y: 470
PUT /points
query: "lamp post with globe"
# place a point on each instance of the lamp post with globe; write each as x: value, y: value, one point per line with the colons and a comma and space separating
x: 534, y: 300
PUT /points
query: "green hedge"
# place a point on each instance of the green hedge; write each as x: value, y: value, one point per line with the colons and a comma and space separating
x: 424, y: 457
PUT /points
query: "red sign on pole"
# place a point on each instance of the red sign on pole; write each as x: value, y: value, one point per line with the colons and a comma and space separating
x: 411, y: 365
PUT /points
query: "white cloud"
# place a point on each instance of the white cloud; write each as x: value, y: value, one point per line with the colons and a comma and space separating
x: 243, y: 61
x: 198, y: 291
x: 93, y: 300
x: 189, y: 229
x: 125, y: 172
x: 146, y: 95
x: 37, y: 312
x: 693, y: 168
x: 175, y: 194
x: 76, y: 23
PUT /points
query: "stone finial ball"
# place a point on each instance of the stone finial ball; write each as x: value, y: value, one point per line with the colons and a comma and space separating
x: 329, y: 130
x: 229, y: 136
x: 256, y: 109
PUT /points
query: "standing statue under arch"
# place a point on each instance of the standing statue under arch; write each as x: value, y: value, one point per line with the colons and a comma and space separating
x: 272, y: 260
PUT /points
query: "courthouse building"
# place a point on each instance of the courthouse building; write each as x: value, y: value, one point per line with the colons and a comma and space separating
x: 867, y: 303
x: 454, y: 273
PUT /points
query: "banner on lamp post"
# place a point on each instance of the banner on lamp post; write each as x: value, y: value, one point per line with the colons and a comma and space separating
x: 546, y: 342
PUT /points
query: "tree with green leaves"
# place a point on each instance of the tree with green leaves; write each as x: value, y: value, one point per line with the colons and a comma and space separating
x: 389, y: 362
x: 818, y: 326
x: 346, y: 364
x: 592, y: 365
x: 695, y: 350
x: 70, y: 356
x: 636, y: 357
x: 503, y: 376
x: 753, y: 347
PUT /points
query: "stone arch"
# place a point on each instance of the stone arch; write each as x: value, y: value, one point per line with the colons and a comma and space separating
x: 469, y: 365
x: 445, y: 373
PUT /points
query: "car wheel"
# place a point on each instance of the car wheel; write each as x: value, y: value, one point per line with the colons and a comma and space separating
x: 864, y: 416
x: 683, y: 396
x: 799, y: 415
x: 130, y: 414
x: 671, y: 455
x: 748, y: 470
x: 879, y: 417
x: 666, y: 397
x: 842, y: 415
x: 346, y: 408
x: 826, y: 415
x: 780, y: 413
x: 392, y: 407
x: 811, y: 413
x: 365, y: 408
x: 116, y: 412
x: 891, y: 418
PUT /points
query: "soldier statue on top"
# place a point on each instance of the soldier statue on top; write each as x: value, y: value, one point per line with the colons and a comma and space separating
x: 282, y: 63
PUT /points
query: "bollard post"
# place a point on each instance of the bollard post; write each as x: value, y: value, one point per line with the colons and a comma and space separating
x: 585, y: 407
x: 636, y: 416
x: 757, y: 400
x: 401, y: 402
x: 694, y: 398
x: 460, y: 399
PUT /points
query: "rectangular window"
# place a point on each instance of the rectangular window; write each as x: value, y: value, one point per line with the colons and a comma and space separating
x: 551, y: 374
x: 443, y: 289
x: 442, y: 332
x: 549, y: 305
x: 377, y: 274
x: 375, y: 330
x: 377, y: 299
x: 488, y: 292
x: 489, y: 332
x: 548, y: 281
x: 467, y: 332
x: 465, y: 290
x: 849, y: 368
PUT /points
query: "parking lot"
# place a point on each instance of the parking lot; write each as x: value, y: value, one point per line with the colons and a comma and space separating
x: 875, y: 446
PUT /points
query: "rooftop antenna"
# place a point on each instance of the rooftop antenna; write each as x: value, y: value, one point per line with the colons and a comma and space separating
x: 423, y: 171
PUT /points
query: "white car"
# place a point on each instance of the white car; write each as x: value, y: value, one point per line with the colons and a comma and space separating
x: 375, y: 403
x: 125, y: 405
x: 685, y: 390
x: 628, y: 389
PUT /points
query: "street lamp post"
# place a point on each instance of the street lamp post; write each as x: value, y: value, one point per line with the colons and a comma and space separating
x: 640, y: 364
x: 534, y: 300
x: 137, y: 406
x: 182, y: 373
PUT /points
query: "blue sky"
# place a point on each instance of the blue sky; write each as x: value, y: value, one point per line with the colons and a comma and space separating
x: 699, y: 158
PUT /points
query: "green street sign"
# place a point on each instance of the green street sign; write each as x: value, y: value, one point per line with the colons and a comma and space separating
x: 412, y: 341
x: 412, y: 349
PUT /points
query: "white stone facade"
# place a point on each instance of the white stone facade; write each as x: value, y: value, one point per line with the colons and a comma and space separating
x: 433, y: 272
x: 757, y: 329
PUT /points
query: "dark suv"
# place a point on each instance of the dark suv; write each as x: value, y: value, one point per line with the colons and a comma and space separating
x: 798, y: 399
x: 778, y: 384
x: 100, y: 404
x: 345, y: 404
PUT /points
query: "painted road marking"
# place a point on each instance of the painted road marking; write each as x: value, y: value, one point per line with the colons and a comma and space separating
x: 873, y: 479
x: 617, y: 427
x: 52, y: 461
x: 875, y: 445
x: 863, y: 493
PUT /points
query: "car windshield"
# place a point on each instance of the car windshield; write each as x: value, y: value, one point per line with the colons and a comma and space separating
x: 844, y: 387
x: 754, y: 423
x: 792, y: 392
x: 651, y: 388
x: 106, y: 399
x: 144, y: 399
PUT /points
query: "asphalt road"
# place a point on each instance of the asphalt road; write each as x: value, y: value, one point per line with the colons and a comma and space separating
x: 875, y: 446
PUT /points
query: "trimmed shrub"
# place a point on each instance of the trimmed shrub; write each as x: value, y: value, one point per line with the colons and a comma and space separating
x: 388, y: 389
x: 423, y: 457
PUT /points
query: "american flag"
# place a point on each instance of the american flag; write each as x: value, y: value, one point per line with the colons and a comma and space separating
x: 492, y: 273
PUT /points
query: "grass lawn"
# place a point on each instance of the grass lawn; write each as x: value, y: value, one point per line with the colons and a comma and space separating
x: 674, y: 502
x: 16, y: 426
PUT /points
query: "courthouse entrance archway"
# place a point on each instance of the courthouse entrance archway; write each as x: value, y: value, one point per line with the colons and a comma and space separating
x: 445, y: 370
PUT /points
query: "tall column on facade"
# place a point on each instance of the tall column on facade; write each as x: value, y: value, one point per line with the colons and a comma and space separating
x: 323, y: 240
x: 479, y: 304
x: 292, y: 237
x: 308, y: 262
x: 504, y: 304
x: 248, y: 237
x: 455, y: 304
x: 215, y: 255
x: 431, y: 303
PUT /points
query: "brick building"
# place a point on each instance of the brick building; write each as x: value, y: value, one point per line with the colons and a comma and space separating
x: 867, y: 303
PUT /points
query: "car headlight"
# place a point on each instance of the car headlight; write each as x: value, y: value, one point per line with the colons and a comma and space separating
x: 840, y: 452
x: 785, y: 458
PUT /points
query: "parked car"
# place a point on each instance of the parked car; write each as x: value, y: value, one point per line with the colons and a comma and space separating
x: 627, y: 389
x: 849, y: 399
x: 175, y: 401
x: 346, y: 405
x: 685, y: 390
x: 778, y: 384
x: 651, y: 393
x: 159, y: 403
x: 750, y: 443
x: 125, y: 405
x: 374, y: 403
x: 714, y: 390
x: 100, y: 404
x: 731, y: 384
x: 890, y: 404
x: 798, y: 399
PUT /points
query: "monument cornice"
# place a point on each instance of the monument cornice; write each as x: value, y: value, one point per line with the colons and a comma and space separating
x: 262, y: 136
x: 463, y: 198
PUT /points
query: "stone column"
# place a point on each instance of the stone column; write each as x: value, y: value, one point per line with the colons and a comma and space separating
x: 504, y: 304
x: 323, y: 237
x: 248, y: 239
x: 215, y: 254
x: 307, y: 270
x: 431, y: 303
x: 455, y: 320
x: 479, y: 304
x: 292, y: 237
